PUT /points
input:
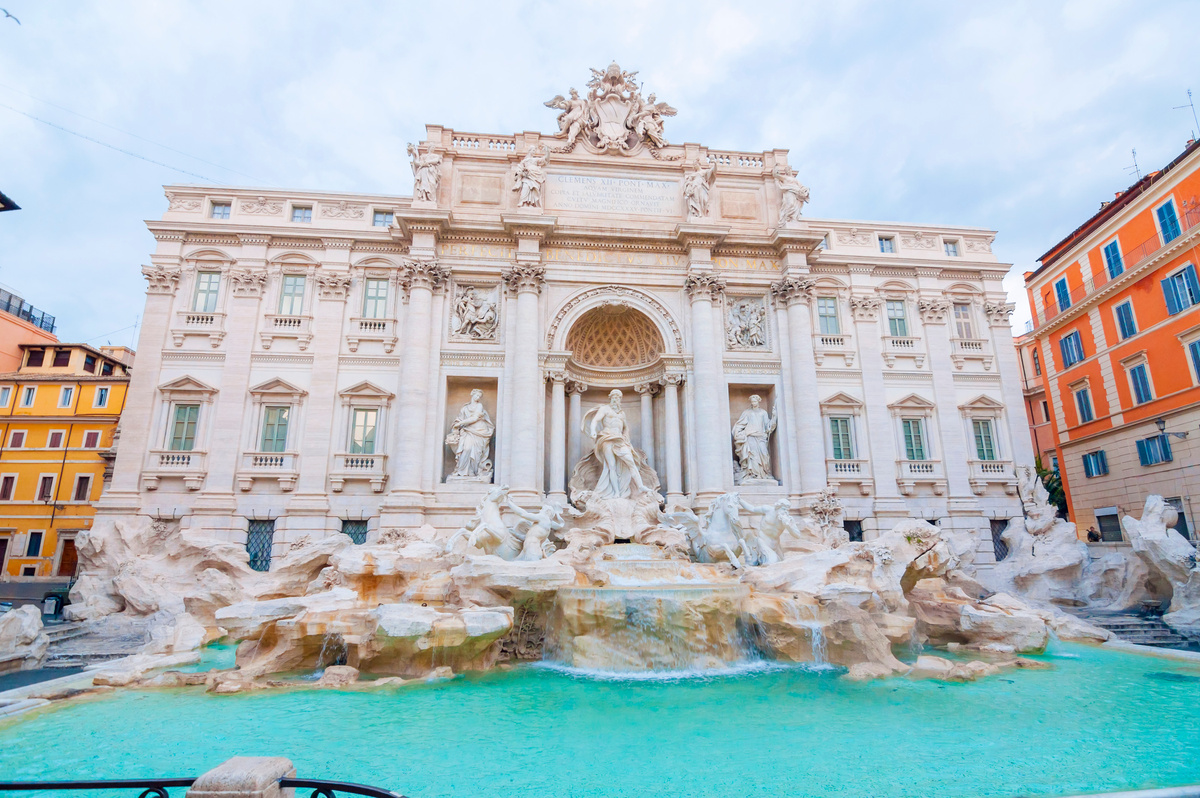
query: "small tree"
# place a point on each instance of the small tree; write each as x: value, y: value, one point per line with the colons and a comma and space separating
x: 1053, y: 482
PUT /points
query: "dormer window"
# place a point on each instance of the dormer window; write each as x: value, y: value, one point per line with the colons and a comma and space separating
x: 35, y: 358
x: 220, y: 210
x: 887, y: 244
x: 302, y: 214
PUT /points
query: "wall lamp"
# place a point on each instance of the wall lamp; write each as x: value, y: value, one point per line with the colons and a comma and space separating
x: 1162, y: 429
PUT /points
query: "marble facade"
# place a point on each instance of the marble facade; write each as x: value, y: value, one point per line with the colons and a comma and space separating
x: 329, y: 341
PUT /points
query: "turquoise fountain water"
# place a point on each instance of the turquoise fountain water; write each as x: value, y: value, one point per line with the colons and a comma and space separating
x: 1098, y: 721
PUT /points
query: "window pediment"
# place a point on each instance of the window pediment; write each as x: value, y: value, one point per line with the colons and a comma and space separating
x: 366, y: 392
x: 982, y: 403
x: 912, y: 402
x: 277, y: 388
x: 186, y: 385
x: 841, y: 401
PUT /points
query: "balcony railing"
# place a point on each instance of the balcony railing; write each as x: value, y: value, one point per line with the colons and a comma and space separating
x: 268, y: 465
x: 383, y: 330
x: 367, y: 467
x: 190, y: 466
x: 193, y: 322
x: 1131, y: 259
x: 281, y: 326
x: 851, y: 471
x: 964, y: 349
x: 902, y: 346
x: 910, y: 473
x: 15, y: 305
x: 992, y: 472
x: 838, y: 344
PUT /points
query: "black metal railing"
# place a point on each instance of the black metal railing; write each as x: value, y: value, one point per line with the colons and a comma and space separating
x: 157, y: 788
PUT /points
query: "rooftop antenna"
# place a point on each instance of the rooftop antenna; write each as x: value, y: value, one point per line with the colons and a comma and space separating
x: 1134, y: 168
x: 1191, y: 105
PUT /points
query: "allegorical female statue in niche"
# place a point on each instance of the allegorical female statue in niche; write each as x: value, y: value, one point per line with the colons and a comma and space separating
x: 751, y: 436
x: 470, y: 437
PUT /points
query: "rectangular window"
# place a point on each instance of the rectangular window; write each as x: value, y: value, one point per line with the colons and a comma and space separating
x: 1045, y: 411
x: 54, y: 440
x: 887, y: 244
x: 1125, y: 323
x: 101, y: 398
x: 1154, y: 450
x: 1112, y: 259
x: 985, y: 444
x: 1071, y: 347
x: 29, y: 395
x: 382, y: 219
x: 897, y: 320
x: 89, y: 364
x: 8, y: 485
x: 5, y: 395
x: 35, y: 545
x: 65, y: 395
x: 1037, y: 364
x: 1110, y: 527
x: 91, y: 439
x: 259, y: 539
x: 962, y: 321
x: 362, y: 432
x: 36, y: 358
x: 207, y: 285
x: 106, y: 370
x: 375, y: 299
x: 355, y: 530
x: 853, y: 529
x: 83, y: 488
x: 1083, y: 403
x: 45, y: 488
x: 827, y: 315
x: 62, y: 358
x: 1194, y: 352
x: 291, y: 295
x: 300, y: 214
x: 1139, y: 377
x: 275, y: 429
x: 1095, y: 464
x: 220, y: 210
x: 1181, y: 524
x: 1181, y: 290
x: 914, y: 439
x: 17, y: 439
x: 839, y: 432
x: 1062, y: 294
x: 1168, y: 222
x: 183, y: 428
x: 951, y: 248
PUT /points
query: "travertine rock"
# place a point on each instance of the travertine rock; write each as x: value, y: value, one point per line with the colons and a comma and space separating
x: 338, y: 676
x: 1042, y: 567
x: 491, y: 581
x: 1170, y: 555
x: 23, y: 642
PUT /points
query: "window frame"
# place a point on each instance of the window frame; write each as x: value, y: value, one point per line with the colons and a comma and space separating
x: 1062, y: 292
x: 889, y: 305
x: 39, y: 493
x: 951, y: 244
x: 291, y: 298
x: 834, y: 445
x: 11, y: 481
x: 1085, y: 392
x: 887, y: 245
x: 351, y: 443
x: 13, y: 443
x: 304, y: 211
x: 1078, y: 345
x: 989, y: 425
x: 1115, y: 245
x: 211, y: 294
x: 87, y: 436
x: 1156, y: 446
x: 1037, y: 362
x: 1135, y: 392
x: 1191, y: 352
x: 1126, y: 303
x: 390, y: 215
x: 6, y: 393
x: 80, y: 480
x: 101, y: 391
x: 969, y: 320
x: 377, y: 303
x: 66, y: 394
x: 836, y: 316
x: 1095, y: 464
x: 29, y: 395
x: 212, y: 210
x: 1190, y: 288
x: 920, y: 427
x: 1169, y: 202
x: 173, y: 420
x: 282, y: 446
x: 62, y: 439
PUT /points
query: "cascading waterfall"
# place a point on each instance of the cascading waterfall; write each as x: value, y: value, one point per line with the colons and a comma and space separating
x: 334, y: 651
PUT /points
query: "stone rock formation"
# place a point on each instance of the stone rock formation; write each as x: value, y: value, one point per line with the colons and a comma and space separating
x: 1171, y: 556
x: 23, y: 642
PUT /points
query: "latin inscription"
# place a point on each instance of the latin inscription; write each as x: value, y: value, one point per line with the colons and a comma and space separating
x: 612, y: 195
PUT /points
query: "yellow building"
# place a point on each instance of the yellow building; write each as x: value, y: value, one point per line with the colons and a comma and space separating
x: 58, y: 416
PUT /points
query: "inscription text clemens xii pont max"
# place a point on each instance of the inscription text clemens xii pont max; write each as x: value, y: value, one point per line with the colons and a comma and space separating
x: 612, y: 195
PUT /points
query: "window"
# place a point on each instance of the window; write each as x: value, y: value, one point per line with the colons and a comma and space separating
x: 45, y: 488
x: 291, y: 296
x: 914, y: 438
x: 29, y: 571
x: 999, y: 547
x: 985, y: 444
x: 35, y: 545
x: 89, y: 364
x: 207, y: 284
x: 382, y: 219
x: 17, y: 439
x: 355, y: 530
x: 1168, y: 222
x: 1045, y: 411
x: 1083, y: 403
x: 842, y: 444
x: 1125, y: 323
x: 183, y: 428
x: 1037, y: 364
x: 962, y: 320
x: 29, y: 395
x: 1095, y: 464
x: 824, y: 242
x: 1112, y: 259
x: 5, y: 395
x: 1181, y: 526
x: 897, y: 320
x: 887, y: 244
x: 1054, y: 463
x: 1154, y: 450
x: 106, y: 370
x: 83, y: 488
x: 54, y: 440
x: 62, y: 358
x: 1139, y: 377
x: 1062, y: 294
x: 8, y: 485
x: 275, y: 429
x: 101, y: 398
x: 853, y: 529
x: 951, y: 248
x: 220, y: 210
x: 375, y: 299
x: 1181, y: 290
x: 1071, y: 347
x: 827, y: 315
x: 91, y: 439
x: 65, y: 395
x: 36, y: 358
x: 301, y: 214
x: 1194, y: 352
x: 362, y: 431
x: 1110, y: 525
x: 259, y: 539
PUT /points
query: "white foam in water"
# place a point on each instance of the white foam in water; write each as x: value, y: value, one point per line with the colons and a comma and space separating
x: 736, y: 669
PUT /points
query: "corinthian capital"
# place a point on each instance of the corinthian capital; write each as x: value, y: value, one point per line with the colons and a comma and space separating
x: 525, y: 277
x: 427, y: 274
x: 865, y: 307
x: 791, y: 290
x: 704, y: 285
x: 160, y: 279
x: 933, y: 311
x: 998, y: 313
x: 333, y: 286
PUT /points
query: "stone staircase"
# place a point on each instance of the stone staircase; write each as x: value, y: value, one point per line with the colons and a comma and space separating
x: 75, y: 645
x: 1144, y: 631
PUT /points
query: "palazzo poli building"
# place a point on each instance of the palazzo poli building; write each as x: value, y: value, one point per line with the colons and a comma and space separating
x: 309, y: 360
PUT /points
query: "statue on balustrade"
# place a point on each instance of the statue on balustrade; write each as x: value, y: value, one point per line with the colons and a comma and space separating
x: 427, y: 174
x: 751, y: 443
x: 696, y: 186
x: 793, y: 195
x: 528, y: 177
x: 470, y: 437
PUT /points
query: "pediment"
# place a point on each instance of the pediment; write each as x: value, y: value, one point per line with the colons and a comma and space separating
x: 365, y: 390
x: 841, y: 400
x: 912, y: 402
x: 982, y: 402
x: 277, y: 387
x: 186, y: 385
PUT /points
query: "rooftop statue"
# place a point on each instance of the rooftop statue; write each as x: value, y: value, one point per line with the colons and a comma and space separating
x: 529, y: 175
x: 794, y: 195
x: 613, y: 116
x: 427, y: 174
x: 696, y: 185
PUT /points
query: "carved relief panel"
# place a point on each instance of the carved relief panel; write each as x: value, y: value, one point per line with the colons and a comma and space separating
x: 475, y: 313
x: 746, y: 324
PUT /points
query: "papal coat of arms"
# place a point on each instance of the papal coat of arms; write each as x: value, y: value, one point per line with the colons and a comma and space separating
x: 613, y: 116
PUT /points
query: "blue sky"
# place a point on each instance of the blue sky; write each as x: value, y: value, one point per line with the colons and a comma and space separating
x: 1015, y: 116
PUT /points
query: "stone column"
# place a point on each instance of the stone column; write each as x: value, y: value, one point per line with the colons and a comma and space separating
x: 558, y: 438
x: 574, y: 425
x: 525, y: 279
x: 673, y: 448
x: 796, y: 293
x: 647, y: 390
x: 881, y: 431
x: 712, y: 431
x: 998, y: 313
x: 954, y: 452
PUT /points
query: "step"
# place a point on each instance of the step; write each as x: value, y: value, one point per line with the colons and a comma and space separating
x: 64, y: 631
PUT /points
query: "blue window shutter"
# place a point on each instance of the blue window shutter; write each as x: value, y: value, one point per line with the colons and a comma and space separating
x: 1087, y: 466
x: 1172, y: 296
x: 1063, y: 294
x: 1103, y: 458
x: 1169, y: 222
x: 1194, y: 350
x: 1143, y: 452
x: 1189, y: 277
x: 1165, y: 444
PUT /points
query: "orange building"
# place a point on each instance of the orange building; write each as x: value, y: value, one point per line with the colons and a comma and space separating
x: 21, y: 323
x: 1042, y: 431
x: 1116, y: 314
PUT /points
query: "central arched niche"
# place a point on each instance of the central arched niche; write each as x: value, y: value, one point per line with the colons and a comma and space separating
x: 614, y: 337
